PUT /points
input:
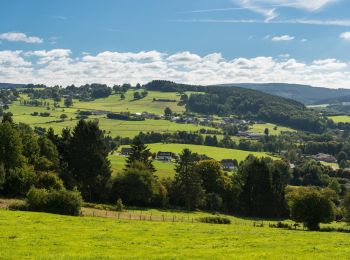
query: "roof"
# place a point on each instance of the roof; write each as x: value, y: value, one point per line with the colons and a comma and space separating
x: 126, y: 149
x: 164, y: 154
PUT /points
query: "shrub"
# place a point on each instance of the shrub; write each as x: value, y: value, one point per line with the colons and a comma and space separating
x: 18, y: 181
x: 119, y: 206
x: 19, y: 205
x: 55, y: 201
x: 49, y: 181
x: 215, y: 220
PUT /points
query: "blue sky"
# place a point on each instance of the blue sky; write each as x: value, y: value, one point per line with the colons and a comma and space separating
x: 42, y: 41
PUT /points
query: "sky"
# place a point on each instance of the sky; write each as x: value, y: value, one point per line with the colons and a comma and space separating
x: 189, y: 41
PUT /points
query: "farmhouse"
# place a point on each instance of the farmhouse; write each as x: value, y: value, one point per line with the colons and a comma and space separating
x: 164, y: 156
x: 228, y: 164
x: 126, y: 151
x: 322, y: 157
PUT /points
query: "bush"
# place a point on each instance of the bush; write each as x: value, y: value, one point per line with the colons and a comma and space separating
x: 18, y: 181
x: 55, y: 201
x: 119, y: 206
x: 49, y: 181
x: 19, y: 205
x: 215, y: 220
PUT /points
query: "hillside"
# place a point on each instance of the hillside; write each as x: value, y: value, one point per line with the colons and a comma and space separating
x: 11, y: 85
x: 302, y: 93
x: 335, y: 100
x: 248, y: 103
x: 63, y: 237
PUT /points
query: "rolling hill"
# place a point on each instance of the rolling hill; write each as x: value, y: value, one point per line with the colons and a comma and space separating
x: 302, y: 93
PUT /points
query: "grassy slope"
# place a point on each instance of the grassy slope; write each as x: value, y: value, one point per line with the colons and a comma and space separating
x: 115, y: 104
x: 340, y: 119
x: 40, y: 235
x: 260, y: 128
x: 165, y: 169
x: 112, y: 103
x: 213, y: 152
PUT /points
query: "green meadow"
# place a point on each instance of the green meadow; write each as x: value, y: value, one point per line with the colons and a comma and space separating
x: 27, y: 235
x: 111, y: 104
x: 166, y: 169
x: 273, y: 129
x: 340, y: 119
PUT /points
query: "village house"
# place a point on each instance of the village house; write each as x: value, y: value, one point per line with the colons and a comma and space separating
x: 322, y: 157
x: 228, y: 164
x: 164, y: 156
x: 126, y: 151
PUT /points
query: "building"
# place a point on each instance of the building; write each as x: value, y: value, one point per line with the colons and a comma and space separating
x: 126, y: 151
x: 322, y: 157
x: 228, y: 164
x: 164, y: 156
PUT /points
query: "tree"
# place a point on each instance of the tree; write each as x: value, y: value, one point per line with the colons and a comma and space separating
x: 311, y: 207
x: 122, y: 96
x: 168, y: 112
x: 63, y: 116
x: 266, y: 132
x: 188, y: 184
x: 262, y: 188
x: 140, y: 153
x: 346, y: 206
x: 68, y: 102
x: 137, y: 95
x: 88, y: 159
x: 342, y: 159
x: 10, y: 146
x: 136, y: 186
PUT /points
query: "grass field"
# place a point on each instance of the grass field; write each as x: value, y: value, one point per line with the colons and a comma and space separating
x: 26, y: 235
x: 216, y: 153
x: 166, y: 169
x: 113, y: 103
x: 340, y: 119
x: 260, y: 128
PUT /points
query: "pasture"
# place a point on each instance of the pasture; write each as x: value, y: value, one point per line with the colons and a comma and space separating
x: 216, y: 153
x: 166, y: 169
x: 46, y: 236
x: 273, y: 129
x: 340, y: 119
x: 113, y: 103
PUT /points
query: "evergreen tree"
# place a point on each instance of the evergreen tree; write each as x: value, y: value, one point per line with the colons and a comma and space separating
x: 188, y: 183
x: 68, y: 102
x: 140, y: 153
x: 262, y: 190
x: 88, y: 159
x: 10, y: 146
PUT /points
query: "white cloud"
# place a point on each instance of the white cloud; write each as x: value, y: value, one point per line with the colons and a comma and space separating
x: 341, y: 22
x: 283, y: 38
x: 61, y: 67
x: 19, y: 37
x: 345, y: 36
x: 268, y: 7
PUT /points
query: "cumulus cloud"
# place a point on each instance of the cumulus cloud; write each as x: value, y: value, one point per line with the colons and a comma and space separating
x: 62, y: 67
x: 282, y: 38
x: 19, y: 37
x: 345, y: 36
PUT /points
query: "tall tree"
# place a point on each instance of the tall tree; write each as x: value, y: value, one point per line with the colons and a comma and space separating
x: 10, y: 146
x: 88, y: 159
x: 68, y: 102
x: 140, y: 153
x: 262, y: 188
x: 188, y: 183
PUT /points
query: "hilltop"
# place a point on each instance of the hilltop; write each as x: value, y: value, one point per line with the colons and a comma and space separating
x: 303, y: 93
